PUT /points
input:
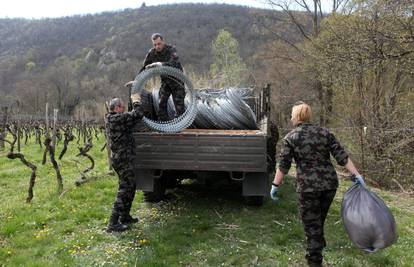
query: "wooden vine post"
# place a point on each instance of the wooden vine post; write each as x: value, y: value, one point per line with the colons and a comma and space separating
x: 3, y: 129
x: 50, y: 143
x: 108, y: 140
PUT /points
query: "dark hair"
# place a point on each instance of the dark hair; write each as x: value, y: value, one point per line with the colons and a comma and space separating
x: 115, y: 102
x: 155, y: 36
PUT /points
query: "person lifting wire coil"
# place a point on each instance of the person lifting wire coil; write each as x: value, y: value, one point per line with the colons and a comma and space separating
x: 182, y: 121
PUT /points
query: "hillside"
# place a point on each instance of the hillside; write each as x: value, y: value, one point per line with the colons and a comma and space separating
x: 189, y: 26
x: 110, y: 47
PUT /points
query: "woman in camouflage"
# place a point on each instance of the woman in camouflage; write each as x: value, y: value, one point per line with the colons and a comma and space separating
x: 311, y: 146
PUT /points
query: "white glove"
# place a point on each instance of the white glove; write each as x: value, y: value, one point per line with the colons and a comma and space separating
x: 136, y: 97
x: 129, y: 83
x: 359, y: 179
x: 273, y: 192
x: 155, y: 64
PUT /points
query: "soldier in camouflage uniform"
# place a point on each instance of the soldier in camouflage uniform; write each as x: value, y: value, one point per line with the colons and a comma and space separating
x: 163, y: 54
x: 311, y: 146
x: 119, y: 125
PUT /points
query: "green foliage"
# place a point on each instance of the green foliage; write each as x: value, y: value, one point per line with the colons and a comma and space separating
x: 228, y: 68
x: 199, y: 226
x: 30, y: 66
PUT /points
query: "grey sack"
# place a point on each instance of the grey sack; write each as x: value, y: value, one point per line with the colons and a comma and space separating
x: 367, y: 220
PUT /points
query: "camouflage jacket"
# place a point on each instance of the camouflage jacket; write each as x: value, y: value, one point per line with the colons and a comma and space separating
x: 311, y: 147
x: 167, y: 56
x: 119, y: 128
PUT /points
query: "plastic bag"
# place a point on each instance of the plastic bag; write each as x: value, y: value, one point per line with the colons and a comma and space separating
x: 367, y: 220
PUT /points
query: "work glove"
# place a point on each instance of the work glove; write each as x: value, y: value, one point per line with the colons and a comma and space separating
x: 358, y: 179
x: 129, y: 83
x: 273, y: 192
x: 136, y: 97
x: 155, y: 64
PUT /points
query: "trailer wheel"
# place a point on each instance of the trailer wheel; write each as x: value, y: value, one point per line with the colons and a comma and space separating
x: 159, y: 191
x: 254, y: 200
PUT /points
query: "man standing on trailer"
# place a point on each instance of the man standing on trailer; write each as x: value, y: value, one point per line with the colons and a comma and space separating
x: 163, y: 54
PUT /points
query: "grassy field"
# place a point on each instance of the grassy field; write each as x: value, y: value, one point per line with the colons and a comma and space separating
x: 197, y: 226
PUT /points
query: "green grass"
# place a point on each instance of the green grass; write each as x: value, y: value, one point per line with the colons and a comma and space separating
x: 198, y: 226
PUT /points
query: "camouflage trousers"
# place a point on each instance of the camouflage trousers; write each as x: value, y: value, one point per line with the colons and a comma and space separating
x: 178, y: 94
x: 314, y: 207
x: 126, y: 188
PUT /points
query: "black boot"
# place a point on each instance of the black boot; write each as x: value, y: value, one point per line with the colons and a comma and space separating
x: 314, y: 259
x: 315, y: 263
x: 115, y: 226
x: 128, y: 219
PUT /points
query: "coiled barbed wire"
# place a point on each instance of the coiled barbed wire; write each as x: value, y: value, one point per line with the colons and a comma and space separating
x: 228, y: 108
x: 184, y: 120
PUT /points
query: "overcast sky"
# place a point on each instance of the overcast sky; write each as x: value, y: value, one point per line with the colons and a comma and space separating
x: 59, y: 8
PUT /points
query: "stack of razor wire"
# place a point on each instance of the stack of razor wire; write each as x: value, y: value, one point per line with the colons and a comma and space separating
x: 229, y: 108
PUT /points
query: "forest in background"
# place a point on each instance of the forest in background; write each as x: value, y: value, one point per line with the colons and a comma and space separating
x: 83, y: 60
x: 353, y: 64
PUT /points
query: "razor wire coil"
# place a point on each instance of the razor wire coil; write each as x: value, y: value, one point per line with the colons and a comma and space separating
x: 184, y: 120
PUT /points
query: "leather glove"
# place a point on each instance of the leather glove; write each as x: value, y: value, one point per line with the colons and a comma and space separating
x: 273, y: 192
x: 136, y: 97
x: 155, y: 64
x: 358, y: 179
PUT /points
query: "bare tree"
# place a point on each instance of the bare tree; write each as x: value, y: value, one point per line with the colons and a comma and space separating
x: 305, y: 16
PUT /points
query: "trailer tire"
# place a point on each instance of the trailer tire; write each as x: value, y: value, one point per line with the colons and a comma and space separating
x: 158, y: 193
x: 254, y: 200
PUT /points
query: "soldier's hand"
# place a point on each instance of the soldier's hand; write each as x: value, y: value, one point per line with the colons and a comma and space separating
x: 129, y: 83
x: 273, y: 192
x: 136, y: 97
x: 155, y: 64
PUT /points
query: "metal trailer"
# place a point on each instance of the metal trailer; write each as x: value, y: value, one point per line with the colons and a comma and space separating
x: 246, y: 156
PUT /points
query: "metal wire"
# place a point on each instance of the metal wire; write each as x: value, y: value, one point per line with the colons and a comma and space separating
x: 229, y: 108
x: 207, y: 108
x: 185, y: 119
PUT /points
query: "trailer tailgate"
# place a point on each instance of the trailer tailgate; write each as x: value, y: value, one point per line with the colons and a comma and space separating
x: 202, y: 149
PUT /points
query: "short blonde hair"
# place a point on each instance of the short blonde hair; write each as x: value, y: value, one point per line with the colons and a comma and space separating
x: 302, y: 111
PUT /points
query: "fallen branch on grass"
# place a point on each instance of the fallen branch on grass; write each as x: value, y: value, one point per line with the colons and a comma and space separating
x: 401, y: 187
x: 224, y: 226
